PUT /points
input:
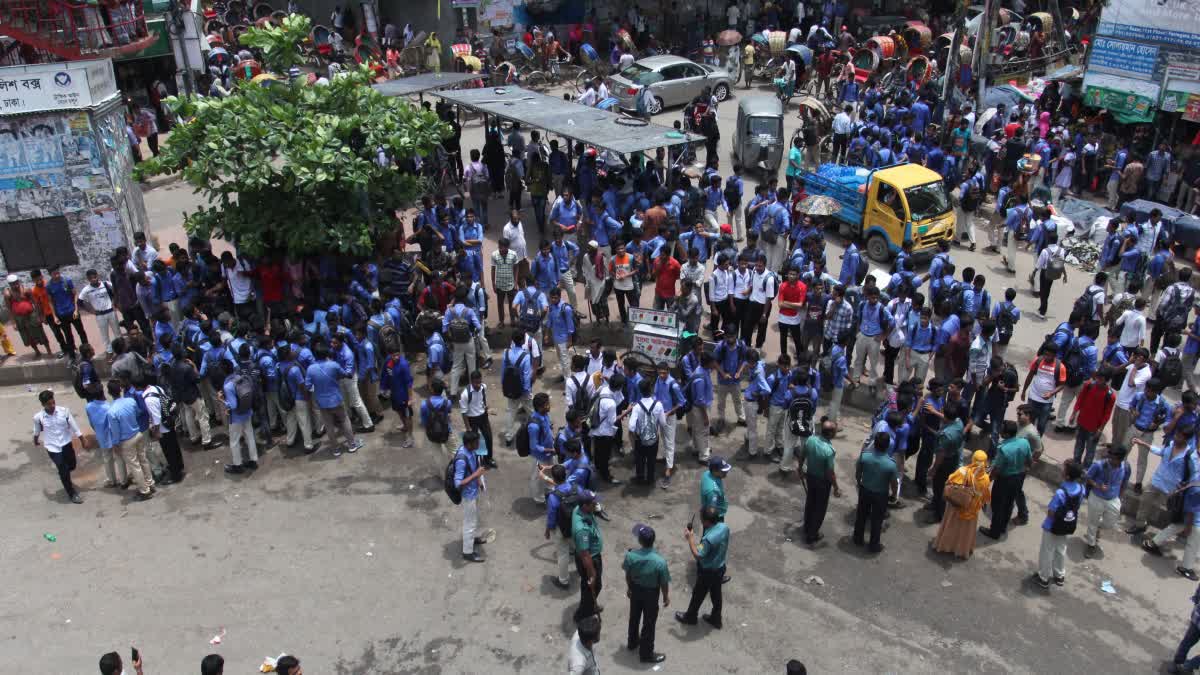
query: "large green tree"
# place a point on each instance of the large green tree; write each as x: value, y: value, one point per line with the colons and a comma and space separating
x: 294, y: 166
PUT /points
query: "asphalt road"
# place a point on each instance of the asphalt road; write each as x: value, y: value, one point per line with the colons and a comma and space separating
x: 354, y: 563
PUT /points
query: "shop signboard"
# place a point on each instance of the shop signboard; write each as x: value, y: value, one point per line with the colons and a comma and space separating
x: 1172, y: 22
x: 1125, y: 59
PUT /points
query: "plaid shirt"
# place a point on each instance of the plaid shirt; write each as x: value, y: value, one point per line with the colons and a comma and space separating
x: 979, y: 359
x: 505, y: 277
x: 838, y: 320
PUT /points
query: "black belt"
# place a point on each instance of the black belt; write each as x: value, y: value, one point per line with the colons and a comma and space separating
x: 107, y: 311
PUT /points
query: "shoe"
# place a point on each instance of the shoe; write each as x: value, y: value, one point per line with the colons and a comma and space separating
x: 365, y: 430
x: 631, y: 646
x: 724, y: 579
x: 144, y: 496
x: 1021, y: 520
x: 603, y: 515
x: 234, y: 468
x: 78, y: 499
x: 1059, y: 581
x: 683, y: 618
x: 813, y: 540
x: 988, y: 533
x: 654, y: 658
x: 1135, y: 529
x: 212, y: 444
x: 1183, y: 571
x: 1090, y: 551
x: 375, y: 419
x: 613, y: 481
x: 1042, y: 583
x: 479, y: 541
x: 337, y: 452
x: 875, y: 549
x: 356, y: 445
x: 251, y: 464
x: 1152, y: 548
x: 1137, y: 490
x: 561, y: 585
x: 310, y: 449
x: 475, y: 557
x: 665, y: 483
x: 708, y: 618
x: 540, y: 501
x: 490, y: 463
x: 742, y: 423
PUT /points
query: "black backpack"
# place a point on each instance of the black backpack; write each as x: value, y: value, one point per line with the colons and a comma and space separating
x: 1174, y: 316
x: 1171, y: 372
x: 511, y: 384
x: 1066, y: 517
x: 1005, y: 321
x: 800, y: 416
x: 438, y: 429
x: 1011, y: 380
x: 168, y: 409
x: 583, y: 401
x: 458, y: 330
x: 693, y: 207
x: 522, y: 440
x: 860, y: 271
x: 1085, y: 305
x: 733, y: 198
x: 950, y: 294
x: 566, y: 510
x: 287, y: 395
x: 972, y: 199
x: 1074, y: 362
x: 246, y: 385
x: 452, y: 490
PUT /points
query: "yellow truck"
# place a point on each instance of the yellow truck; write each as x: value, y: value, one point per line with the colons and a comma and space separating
x: 888, y: 205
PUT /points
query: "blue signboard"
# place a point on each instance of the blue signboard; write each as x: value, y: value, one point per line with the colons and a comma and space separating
x: 1126, y: 59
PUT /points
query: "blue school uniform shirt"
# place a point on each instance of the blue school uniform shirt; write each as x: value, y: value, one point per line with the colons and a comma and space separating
x: 321, y: 380
x: 97, y: 414
x: 563, y: 253
x: 561, y: 319
x: 780, y: 392
x: 1068, y: 490
x: 541, y: 438
x: 436, y: 350
x: 397, y: 379
x: 697, y: 241
x: 839, y: 367
x: 545, y: 272
x: 1147, y: 411
x: 850, y: 262
x: 668, y: 393
x: 511, y: 356
x: 730, y: 358
x: 231, y: 402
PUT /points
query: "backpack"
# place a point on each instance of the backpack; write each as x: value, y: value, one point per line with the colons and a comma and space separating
x: 191, y: 348
x: 452, y: 490
x: 860, y: 271
x: 480, y: 188
x: 1171, y: 372
x: 583, y: 400
x: 459, y: 328
x: 438, y: 428
x: 512, y: 180
x: 215, y: 375
x: 531, y: 317
x: 522, y: 440
x: 77, y: 381
x: 767, y: 232
x: 287, y: 395
x: 1056, y: 268
x: 245, y: 385
x: 1005, y: 321
x: 973, y: 197
x: 733, y: 197
x: 688, y: 402
x: 1174, y: 316
x: 511, y: 384
x: 800, y: 416
x: 594, y: 415
x: 168, y: 410
x: 647, y: 428
x: 1074, y: 363
x: 566, y: 509
x: 1085, y: 305
x: 1011, y: 379
x: 389, y: 339
x: 1066, y: 517
x: 693, y: 207
x: 950, y: 294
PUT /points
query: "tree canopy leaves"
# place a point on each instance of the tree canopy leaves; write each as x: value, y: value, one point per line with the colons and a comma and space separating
x: 295, y: 166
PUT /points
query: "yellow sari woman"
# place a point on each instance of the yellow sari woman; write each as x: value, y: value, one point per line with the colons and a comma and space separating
x: 957, y: 532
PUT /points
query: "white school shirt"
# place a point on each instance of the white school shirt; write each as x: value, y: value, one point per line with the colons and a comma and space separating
x: 763, y: 287
x: 473, y: 401
x: 57, y: 429
x: 741, y: 283
x: 722, y: 285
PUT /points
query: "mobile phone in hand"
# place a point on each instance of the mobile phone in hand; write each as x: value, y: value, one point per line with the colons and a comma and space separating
x: 134, y: 654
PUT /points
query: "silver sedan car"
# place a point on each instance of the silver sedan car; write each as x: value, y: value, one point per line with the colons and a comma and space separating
x: 673, y: 80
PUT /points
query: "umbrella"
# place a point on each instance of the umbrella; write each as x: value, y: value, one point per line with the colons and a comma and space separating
x: 728, y: 37
x: 805, y: 53
x: 819, y: 205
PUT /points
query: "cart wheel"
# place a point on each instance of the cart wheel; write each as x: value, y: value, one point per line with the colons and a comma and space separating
x: 877, y: 249
x: 581, y: 81
x: 641, y: 362
x: 537, y: 80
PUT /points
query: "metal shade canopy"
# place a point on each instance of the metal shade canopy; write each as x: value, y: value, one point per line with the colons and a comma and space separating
x: 417, y: 84
x: 600, y: 128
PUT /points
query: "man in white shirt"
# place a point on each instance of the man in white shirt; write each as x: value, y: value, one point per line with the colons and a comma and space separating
x: 601, y: 92
x: 143, y: 253
x: 794, y: 36
x: 474, y: 407
x: 588, y: 97
x: 644, y: 451
x: 1137, y: 374
x: 764, y: 285
x: 236, y: 273
x: 581, y: 659
x: 604, y: 431
x: 1042, y: 269
x: 514, y: 232
x: 162, y: 429
x: 734, y: 15
x: 625, y: 61
x: 54, y: 428
x: 843, y: 125
x: 97, y: 297
x: 1133, y: 325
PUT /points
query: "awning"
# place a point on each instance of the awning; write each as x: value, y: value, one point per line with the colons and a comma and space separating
x: 1069, y: 72
x: 600, y: 128
x: 417, y: 84
x: 160, y: 47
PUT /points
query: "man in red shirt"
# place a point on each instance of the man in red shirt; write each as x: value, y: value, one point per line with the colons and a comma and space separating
x: 270, y: 279
x: 1093, y: 408
x: 666, y: 276
x: 791, y: 305
x: 825, y: 64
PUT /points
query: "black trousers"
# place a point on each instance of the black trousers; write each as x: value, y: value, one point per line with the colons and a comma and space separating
x: 602, y: 447
x: 622, y: 298
x: 873, y: 507
x: 484, y: 427
x: 794, y: 331
x: 135, y: 315
x: 1004, y: 496
x: 643, y: 460
x: 889, y: 362
x: 729, y: 320
x: 939, y: 484
x: 750, y: 322
x: 587, y: 599
x: 1044, y: 284
x: 708, y: 583
x: 643, y: 614
x: 64, y: 461
x: 924, y: 459
x: 67, y: 321
x: 514, y: 200
x: 56, y: 329
x: 816, y: 503
x: 1157, y: 332
x: 170, y: 449
x: 735, y: 320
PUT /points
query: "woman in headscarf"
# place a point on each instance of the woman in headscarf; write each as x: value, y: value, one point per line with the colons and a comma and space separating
x: 1044, y: 124
x: 959, y: 523
x: 494, y: 159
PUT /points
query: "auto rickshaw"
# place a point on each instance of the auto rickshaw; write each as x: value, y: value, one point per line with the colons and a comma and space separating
x: 758, y: 142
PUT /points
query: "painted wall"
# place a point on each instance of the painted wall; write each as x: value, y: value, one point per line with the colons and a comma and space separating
x: 74, y: 164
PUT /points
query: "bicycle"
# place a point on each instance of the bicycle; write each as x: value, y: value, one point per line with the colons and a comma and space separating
x: 441, y: 173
